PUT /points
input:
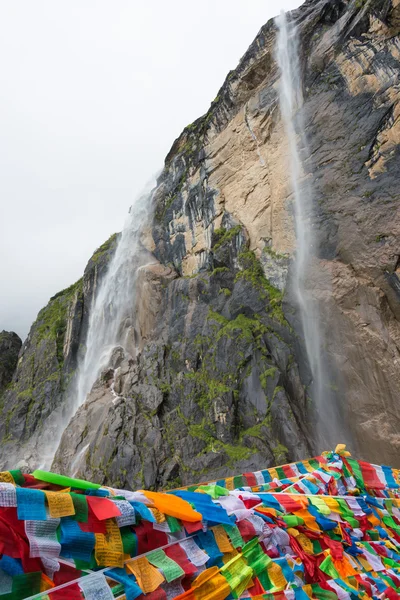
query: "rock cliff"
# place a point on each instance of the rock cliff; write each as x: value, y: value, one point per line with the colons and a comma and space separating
x: 46, y: 365
x: 10, y: 344
x: 220, y: 380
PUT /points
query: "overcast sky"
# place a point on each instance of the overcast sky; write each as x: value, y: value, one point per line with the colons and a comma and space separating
x: 93, y: 93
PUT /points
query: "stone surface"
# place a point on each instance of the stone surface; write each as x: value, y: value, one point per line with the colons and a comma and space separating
x: 46, y: 366
x: 220, y: 380
x: 10, y: 345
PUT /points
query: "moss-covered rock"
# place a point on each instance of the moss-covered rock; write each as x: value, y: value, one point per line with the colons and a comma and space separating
x: 10, y: 345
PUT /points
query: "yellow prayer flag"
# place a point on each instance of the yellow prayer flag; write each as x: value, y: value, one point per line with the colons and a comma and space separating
x: 308, y: 519
x: 109, y: 550
x: 60, y: 504
x: 305, y: 543
x: 6, y: 477
x: 159, y: 516
x: 308, y: 590
x: 274, y: 473
x: 332, y: 504
x: 211, y: 585
x: 221, y: 537
x: 277, y: 577
x: 148, y: 577
x: 229, y: 484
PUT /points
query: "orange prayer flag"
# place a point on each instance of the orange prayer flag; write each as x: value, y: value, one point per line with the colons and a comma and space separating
x: 173, y: 506
x: 46, y: 583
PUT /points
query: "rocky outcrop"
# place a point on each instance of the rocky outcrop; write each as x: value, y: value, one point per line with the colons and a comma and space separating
x: 215, y: 387
x: 10, y: 344
x: 46, y: 366
x: 220, y: 381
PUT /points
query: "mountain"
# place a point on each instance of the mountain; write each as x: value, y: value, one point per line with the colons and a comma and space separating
x: 220, y: 378
x: 10, y: 345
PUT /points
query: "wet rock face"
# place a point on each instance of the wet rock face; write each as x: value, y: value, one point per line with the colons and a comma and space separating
x: 216, y: 388
x: 46, y: 365
x: 219, y: 381
x: 10, y: 344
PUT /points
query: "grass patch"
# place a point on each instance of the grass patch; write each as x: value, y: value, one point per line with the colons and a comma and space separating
x: 101, y: 251
x: 253, y: 273
x: 222, y: 236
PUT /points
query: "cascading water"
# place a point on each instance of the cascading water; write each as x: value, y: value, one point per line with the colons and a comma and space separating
x: 111, y: 314
x: 291, y: 103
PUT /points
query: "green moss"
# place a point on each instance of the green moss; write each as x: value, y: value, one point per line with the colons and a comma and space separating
x: 222, y: 236
x: 25, y: 394
x: 219, y: 270
x: 242, y: 326
x: 333, y: 387
x: 208, y: 388
x: 278, y: 389
x: 237, y: 452
x: 266, y: 375
x: 103, y: 248
x: 162, y: 209
x: 225, y: 291
x: 70, y: 291
x: 253, y: 273
x: 30, y: 407
x: 53, y: 377
x: 8, y: 420
x: 165, y: 387
x: 280, y: 452
x: 380, y: 237
x: 214, y: 316
x: 51, y: 322
x: 268, y: 250
x: 205, y: 431
x: 173, y: 484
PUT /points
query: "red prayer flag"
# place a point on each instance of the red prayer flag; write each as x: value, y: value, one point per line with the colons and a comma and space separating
x: 103, y: 508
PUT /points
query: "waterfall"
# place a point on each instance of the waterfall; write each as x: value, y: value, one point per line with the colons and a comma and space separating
x: 111, y: 315
x: 291, y: 103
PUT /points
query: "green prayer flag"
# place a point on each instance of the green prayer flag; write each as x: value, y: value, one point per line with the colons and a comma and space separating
x: 321, y: 594
x: 281, y: 473
x: 255, y: 557
x: 82, y: 565
x: 389, y: 505
x: 390, y: 523
x: 81, y: 507
x: 292, y: 520
x: 316, y: 546
x: 173, y: 523
x: 234, y: 535
x: 355, y: 467
x: 265, y: 581
x: 328, y: 567
x: 238, y: 482
x: 18, y: 477
x: 24, y: 586
x: 169, y: 567
x: 319, y: 503
x: 215, y: 491
x: 128, y: 541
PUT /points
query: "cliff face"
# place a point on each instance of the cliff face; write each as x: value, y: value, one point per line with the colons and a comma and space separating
x: 46, y: 365
x: 10, y: 344
x: 220, y: 381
